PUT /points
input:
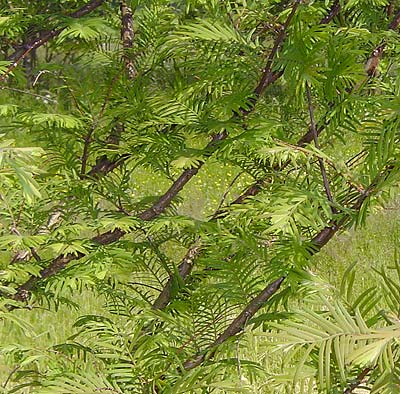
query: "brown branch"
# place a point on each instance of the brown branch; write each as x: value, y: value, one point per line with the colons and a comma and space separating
x: 267, y: 78
x: 316, y: 143
x: 127, y: 36
x: 360, y: 377
x: 104, y: 164
x: 238, y: 324
x: 326, y: 234
x: 186, y: 264
x: 332, y: 13
x: 370, y: 69
x: 109, y: 237
x: 267, y: 75
x: 44, y: 37
x: 318, y: 241
x: 394, y: 24
x: 184, y: 269
x: 374, y: 60
x: 88, y: 138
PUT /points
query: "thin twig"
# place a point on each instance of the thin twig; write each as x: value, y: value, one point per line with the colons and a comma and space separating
x: 228, y: 189
x: 89, y: 136
x: 44, y: 98
x: 15, y: 369
x: 316, y: 143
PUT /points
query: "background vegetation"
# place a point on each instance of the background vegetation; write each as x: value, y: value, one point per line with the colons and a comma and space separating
x: 172, y: 179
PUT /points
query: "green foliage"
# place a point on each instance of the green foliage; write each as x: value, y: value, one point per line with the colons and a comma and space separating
x: 118, y: 156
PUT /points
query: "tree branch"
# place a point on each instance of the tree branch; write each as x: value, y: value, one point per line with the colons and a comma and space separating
x: 316, y: 143
x: 318, y: 241
x: 267, y: 76
x: 394, y: 24
x: 44, y: 37
x: 127, y: 36
x: 239, y: 323
x: 370, y: 69
x: 88, y: 137
x: 184, y: 269
x: 361, y: 376
x: 104, y: 164
x: 109, y: 237
x: 333, y: 11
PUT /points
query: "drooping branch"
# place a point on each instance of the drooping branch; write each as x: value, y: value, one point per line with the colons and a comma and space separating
x: 44, y: 37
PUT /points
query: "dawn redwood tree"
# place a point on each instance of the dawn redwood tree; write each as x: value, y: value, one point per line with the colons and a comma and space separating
x: 112, y: 110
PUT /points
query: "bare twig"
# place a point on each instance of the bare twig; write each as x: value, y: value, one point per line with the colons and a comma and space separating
x: 15, y: 369
x: 44, y: 98
x: 215, y: 215
x: 316, y: 143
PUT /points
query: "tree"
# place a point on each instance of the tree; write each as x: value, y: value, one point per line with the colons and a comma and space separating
x: 293, y: 105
